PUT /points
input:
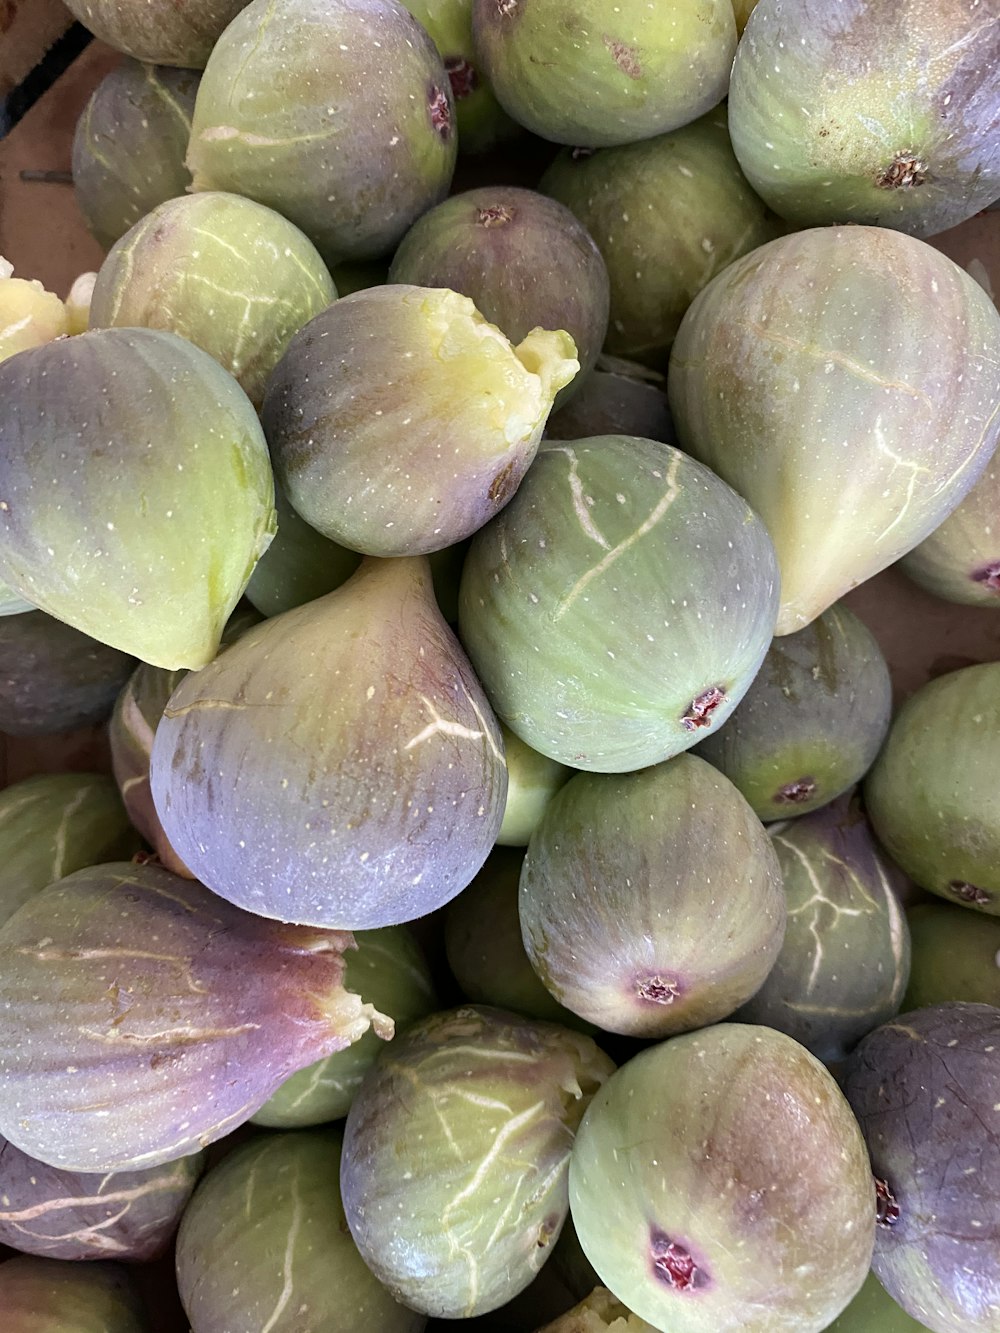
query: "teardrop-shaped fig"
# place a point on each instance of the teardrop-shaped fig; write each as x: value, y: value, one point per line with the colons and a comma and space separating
x: 960, y: 560
x: 158, y: 495
x: 159, y: 32
x: 854, y: 362
x: 145, y: 1018
x: 621, y: 604
x: 339, y: 765
x: 956, y: 956
x: 52, y: 1296
x: 85, y: 1215
x: 400, y: 421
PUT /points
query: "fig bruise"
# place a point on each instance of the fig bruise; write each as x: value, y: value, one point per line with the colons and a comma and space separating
x: 144, y: 1017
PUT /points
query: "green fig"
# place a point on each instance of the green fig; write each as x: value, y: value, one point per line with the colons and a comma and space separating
x: 960, y: 560
x: 299, y: 566
x: 532, y: 780
x: 956, y: 956
x: 159, y: 32
x: 617, y: 398
x: 874, y: 1311
x: 52, y: 1296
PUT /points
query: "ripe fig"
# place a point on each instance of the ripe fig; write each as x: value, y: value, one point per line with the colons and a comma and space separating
x: 874, y: 1311
x: 29, y: 315
x: 53, y: 1296
x: 960, y: 560
x: 159, y: 32
x: 617, y: 398
x: 299, y: 566
x: 532, y: 780
x: 956, y: 956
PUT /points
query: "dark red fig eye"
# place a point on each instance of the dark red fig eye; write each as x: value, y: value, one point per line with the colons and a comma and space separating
x: 970, y: 893
x: 674, y: 1264
x: 440, y: 111
x: 794, y: 793
x: 989, y: 576
x: 464, y: 76
x: 702, y: 707
x: 886, y: 1208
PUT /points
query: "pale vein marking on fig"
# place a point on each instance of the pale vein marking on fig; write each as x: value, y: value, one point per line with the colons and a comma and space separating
x: 288, y: 1285
x: 580, y: 507
x: 185, y: 1035
x: 819, y: 900
x: 60, y: 837
x: 441, y: 725
x: 914, y: 468
x: 160, y: 1185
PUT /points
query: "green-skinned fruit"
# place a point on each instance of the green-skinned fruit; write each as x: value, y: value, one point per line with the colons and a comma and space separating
x: 743, y: 9
x: 813, y: 720
x: 11, y: 604
x: 126, y: 1215
x: 229, y: 275
x: 620, y: 605
x: 372, y: 443
x: 144, y: 548
x: 339, y: 764
x: 463, y: 1128
x: 930, y: 794
x: 159, y: 32
x: 600, y: 1312
x: 617, y: 398
x: 845, y: 960
x: 719, y: 1182
x: 53, y: 824
x: 340, y: 117
x: 278, y: 1196
x: 870, y: 113
x: 53, y: 677
x: 582, y: 72
x: 854, y: 362
x: 960, y: 560
x: 680, y: 195
x: 621, y: 877
x: 524, y: 260
x: 956, y: 956
x: 129, y: 146
x: 532, y: 780
x: 144, y: 1017
x: 874, y: 1311
x: 299, y: 566
x: 389, y: 969
x: 53, y: 1296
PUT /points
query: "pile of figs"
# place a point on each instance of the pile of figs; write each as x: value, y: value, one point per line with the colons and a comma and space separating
x: 506, y: 881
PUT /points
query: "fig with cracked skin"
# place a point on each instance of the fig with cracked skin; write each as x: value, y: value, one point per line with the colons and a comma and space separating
x: 620, y: 605
x: 956, y: 956
x: 40, y: 1295
x: 960, y: 560
x: 30, y: 316
x: 159, y: 32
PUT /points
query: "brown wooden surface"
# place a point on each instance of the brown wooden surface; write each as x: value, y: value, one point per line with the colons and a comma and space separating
x: 27, y: 29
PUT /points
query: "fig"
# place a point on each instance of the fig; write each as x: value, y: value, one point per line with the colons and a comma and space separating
x: 144, y: 1017
x: 78, y: 302
x: 667, y: 214
x: 53, y: 824
x: 719, y: 1182
x: 617, y: 398
x: 645, y: 620
x: 600, y: 1312
x: 278, y: 1195
x: 930, y: 793
x: 572, y: 1265
x: 849, y: 361
x: 620, y: 877
x: 845, y: 960
x: 10, y: 603
x: 925, y: 1089
x: 129, y: 145
x: 743, y: 9
x: 339, y: 764
x: 299, y: 566
x: 52, y: 677
x: 812, y: 722
x: 886, y: 114
x: 532, y: 781
x: 125, y: 1215
x: 143, y: 547
x: 581, y: 73
x: 161, y: 32
x: 456, y: 1150
x: 390, y: 970
x: 956, y: 956
x: 523, y: 259
x: 51, y: 1296
x: 337, y: 115
x: 29, y: 315
x: 874, y: 1311
x: 231, y: 276
x: 370, y: 441
x: 960, y: 560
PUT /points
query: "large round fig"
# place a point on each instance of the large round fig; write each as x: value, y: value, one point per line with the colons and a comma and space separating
x: 813, y: 720
x: 158, y: 495
x: 651, y: 902
x: 129, y: 145
x: 617, y: 398
x: 853, y: 362
x: 229, y: 275
x: 583, y: 72
x: 620, y: 605
x: 456, y: 1151
x: 52, y: 1296
x: 960, y: 560
x: 278, y: 1198
x: 926, y: 1089
x: 930, y: 795
x: 875, y: 113
x: 338, y: 115
x: 400, y: 421
x: 339, y: 765
x: 956, y: 956
x: 144, y: 1017
x: 719, y: 1182
x: 159, y: 32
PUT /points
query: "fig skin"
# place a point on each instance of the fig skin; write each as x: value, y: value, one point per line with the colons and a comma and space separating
x: 581, y: 73
x: 886, y: 115
x: 370, y: 441
x: 743, y: 9
x: 812, y: 722
x: 129, y: 146
x: 646, y: 620
x: 956, y: 956
x: 619, y: 880
x: 719, y: 1181
x: 299, y: 566
x: 617, y: 398
x: 874, y: 1311
x: 229, y: 275
x: 145, y: 548
x: 40, y: 1295
x: 854, y: 361
x: 925, y: 1089
x: 338, y: 115
x: 532, y: 781
x: 930, y: 793
x: 159, y: 33
x: 278, y: 1196
x: 455, y: 1157
x: 960, y: 560
x: 339, y: 765
x: 145, y: 1018
x: 125, y: 1215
